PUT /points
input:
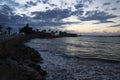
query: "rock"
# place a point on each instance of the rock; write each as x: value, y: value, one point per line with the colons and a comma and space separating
x: 18, y: 62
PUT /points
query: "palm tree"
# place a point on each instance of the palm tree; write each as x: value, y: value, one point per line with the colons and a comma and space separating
x: 56, y: 31
x: 52, y: 32
x: 37, y: 30
x: 1, y: 29
x: 27, y: 25
x: 44, y: 31
x: 49, y: 30
x: 9, y: 30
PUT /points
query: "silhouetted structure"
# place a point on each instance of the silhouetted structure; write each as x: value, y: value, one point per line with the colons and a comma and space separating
x: 65, y: 34
x: 45, y: 33
x: 9, y: 30
x: 26, y: 29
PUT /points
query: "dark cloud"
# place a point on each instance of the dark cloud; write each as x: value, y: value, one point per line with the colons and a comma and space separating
x: 90, y: 1
x: 79, y: 6
x: 79, y: 9
x: 78, y: 13
x: 56, y: 14
x: 86, y: 6
x: 84, y: 1
x: 117, y: 25
x: 44, y: 1
x: 9, y: 2
x: 3, y: 18
x: 118, y: 1
x: 5, y: 13
x: 97, y: 15
x: 114, y: 9
x: 52, y: 24
x: 107, y: 9
x: 30, y: 3
x: 8, y: 18
x: 52, y: 17
x: 15, y: 20
x: 6, y: 10
x: 97, y: 7
x: 34, y: 3
x: 104, y: 21
x: 105, y: 4
x: 62, y: 4
x: 52, y: 5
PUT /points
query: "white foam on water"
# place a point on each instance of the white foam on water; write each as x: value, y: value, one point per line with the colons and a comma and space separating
x: 59, y: 67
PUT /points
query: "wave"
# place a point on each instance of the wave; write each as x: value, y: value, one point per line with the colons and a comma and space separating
x: 74, y: 47
x: 91, y: 58
x: 99, y: 59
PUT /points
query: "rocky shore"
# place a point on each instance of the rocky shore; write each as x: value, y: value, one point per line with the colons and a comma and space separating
x: 19, y: 62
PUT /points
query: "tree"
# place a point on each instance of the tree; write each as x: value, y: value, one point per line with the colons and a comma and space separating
x: 43, y: 31
x: 56, y: 31
x: 52, y: 32
x: 9, y: 30
x: 49, y: 30
x: 1, y: 29
x: 37, y: 30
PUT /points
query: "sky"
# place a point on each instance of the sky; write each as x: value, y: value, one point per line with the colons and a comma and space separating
x: 81, y: 16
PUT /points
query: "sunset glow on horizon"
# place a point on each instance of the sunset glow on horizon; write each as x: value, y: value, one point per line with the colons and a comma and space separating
x: 82, y: 16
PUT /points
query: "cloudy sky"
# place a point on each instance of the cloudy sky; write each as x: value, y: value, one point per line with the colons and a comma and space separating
x: 85, y: 16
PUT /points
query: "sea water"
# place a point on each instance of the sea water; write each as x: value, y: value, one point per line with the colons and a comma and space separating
x: 79, y: 58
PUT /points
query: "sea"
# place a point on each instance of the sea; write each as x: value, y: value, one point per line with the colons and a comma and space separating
x: 79, y: 58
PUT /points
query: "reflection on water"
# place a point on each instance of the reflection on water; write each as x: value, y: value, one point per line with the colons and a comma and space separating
x: 62, y: 58
x: 92, y: 47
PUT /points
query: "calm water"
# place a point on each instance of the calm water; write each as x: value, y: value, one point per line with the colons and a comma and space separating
x: 84, y: 47
x: 62, y: 57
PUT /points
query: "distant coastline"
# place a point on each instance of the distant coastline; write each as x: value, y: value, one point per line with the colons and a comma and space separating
x: 99, y: 35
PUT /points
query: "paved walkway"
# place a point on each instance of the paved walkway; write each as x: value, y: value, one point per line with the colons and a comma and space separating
x: 7, y: 37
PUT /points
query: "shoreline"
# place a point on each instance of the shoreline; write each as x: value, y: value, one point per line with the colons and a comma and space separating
x: 63, y: 67
x: 19, y: 62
